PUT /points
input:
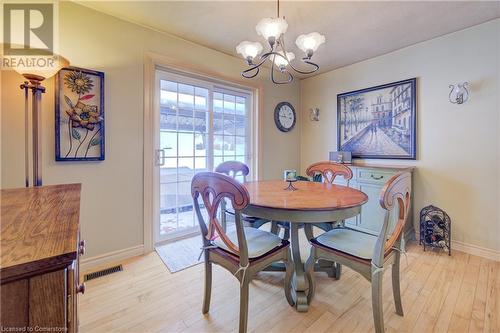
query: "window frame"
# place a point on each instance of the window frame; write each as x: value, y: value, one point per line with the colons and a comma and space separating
x: 152, y: 62
x: 213, y: 86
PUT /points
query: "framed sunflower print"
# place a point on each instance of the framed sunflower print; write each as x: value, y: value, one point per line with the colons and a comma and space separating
x: 79, y: 115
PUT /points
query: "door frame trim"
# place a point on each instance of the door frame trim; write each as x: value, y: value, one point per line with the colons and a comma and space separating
x: 151, y: 62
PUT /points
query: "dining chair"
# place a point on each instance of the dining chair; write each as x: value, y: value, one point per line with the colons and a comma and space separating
x: 243, y: 252
x: 329, y: 171
x: 234, y: 169
x: 367, y: 254
x: 326, y: 172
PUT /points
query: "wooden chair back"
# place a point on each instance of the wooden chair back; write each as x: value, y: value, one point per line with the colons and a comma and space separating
x: 233, y: 168
x: 397, y: 191
x: 329, y: 171
x: 213, y: 189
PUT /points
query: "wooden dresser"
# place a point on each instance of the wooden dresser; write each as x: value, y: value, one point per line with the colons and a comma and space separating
x: 40, y: 247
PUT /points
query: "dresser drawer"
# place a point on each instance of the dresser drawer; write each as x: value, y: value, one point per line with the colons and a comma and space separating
x: 373, y: 175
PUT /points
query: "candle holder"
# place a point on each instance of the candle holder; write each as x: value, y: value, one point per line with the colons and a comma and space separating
x: 290, y: 186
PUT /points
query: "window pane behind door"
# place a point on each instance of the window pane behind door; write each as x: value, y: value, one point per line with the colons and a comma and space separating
x: 168, y: 208
x: 183, y: 135
x: 189, y: 138
x: 230, y: 128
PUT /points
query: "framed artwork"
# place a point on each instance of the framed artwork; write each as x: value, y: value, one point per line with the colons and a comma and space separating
x: 79, y: 115
x: 379, y: 122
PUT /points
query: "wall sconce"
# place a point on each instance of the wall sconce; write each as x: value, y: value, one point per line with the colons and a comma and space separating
x: 314, y: 114
x: 459, y: 93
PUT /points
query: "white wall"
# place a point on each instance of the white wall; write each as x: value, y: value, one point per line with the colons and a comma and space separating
x: 465, y: 184
x: 458, y: 145
x: 112, y: 194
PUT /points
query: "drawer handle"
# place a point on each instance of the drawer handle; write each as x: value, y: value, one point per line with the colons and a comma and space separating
x: 376, y: 178
x: 81, y: 288
x: 81, y: 249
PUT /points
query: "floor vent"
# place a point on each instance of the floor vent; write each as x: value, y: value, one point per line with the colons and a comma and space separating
x: 103, y: 272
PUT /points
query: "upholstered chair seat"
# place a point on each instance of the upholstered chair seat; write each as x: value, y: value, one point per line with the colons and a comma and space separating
x: 353, y: 242
x: 259, y: 242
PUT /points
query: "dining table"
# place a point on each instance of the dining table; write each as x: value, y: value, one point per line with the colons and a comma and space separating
x: 301, y: 203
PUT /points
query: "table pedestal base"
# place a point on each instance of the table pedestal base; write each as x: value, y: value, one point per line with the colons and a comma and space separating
x: 300, y: 218
x: 299, y: 283
x: 300, y: 286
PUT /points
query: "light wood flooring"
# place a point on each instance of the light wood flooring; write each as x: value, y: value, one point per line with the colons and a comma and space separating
x: 440, y: 293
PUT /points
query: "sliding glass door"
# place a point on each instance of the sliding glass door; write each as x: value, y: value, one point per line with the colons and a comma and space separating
x: 200, y: 125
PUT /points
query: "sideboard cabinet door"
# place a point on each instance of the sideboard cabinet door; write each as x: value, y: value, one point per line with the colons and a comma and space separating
x: 371, y: 181
x: 372, y: 215
x: 72, y: 299
x: 353, y: 222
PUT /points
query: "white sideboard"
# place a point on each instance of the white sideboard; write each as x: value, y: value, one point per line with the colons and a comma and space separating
x: 370, y: 179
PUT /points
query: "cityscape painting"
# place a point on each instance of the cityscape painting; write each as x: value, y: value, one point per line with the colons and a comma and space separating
x: 378, y: 122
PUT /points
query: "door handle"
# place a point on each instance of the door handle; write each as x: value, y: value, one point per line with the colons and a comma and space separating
x: 159, y: 157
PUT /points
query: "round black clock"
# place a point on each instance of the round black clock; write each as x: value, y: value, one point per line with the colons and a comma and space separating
x: 284, y: 116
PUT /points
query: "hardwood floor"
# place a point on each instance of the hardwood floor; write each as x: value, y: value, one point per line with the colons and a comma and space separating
x: 440, y: 293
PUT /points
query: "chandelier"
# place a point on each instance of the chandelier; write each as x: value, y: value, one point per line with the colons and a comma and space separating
x: 273, y: 29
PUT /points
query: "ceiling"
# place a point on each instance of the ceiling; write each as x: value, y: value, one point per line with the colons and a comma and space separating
x: 354, y: 30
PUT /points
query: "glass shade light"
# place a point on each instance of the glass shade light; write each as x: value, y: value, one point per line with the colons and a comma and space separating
x: 309, y: 43
x: 271, y: 28
x: 249, y: 50
x: 282, y: 62
x: 45, y: 71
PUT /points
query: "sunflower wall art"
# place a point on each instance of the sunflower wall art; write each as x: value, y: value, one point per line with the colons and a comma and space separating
x: 79, y: 115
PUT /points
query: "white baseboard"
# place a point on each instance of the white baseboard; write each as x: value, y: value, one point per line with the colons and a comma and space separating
x: 464, y: 247
x: 87, y: 264
x: 475, y: 250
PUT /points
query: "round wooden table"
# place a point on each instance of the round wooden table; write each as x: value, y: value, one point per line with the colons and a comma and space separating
x: 312, y: 202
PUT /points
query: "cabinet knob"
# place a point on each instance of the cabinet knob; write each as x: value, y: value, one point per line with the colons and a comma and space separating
x: 81, y: 288
x: 376, y: 178
x: 81, y: 248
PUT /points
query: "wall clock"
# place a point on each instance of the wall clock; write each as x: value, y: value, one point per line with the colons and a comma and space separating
x: 284, y: 116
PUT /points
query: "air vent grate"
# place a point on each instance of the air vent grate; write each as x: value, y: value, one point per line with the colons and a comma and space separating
x: 103, y: 272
